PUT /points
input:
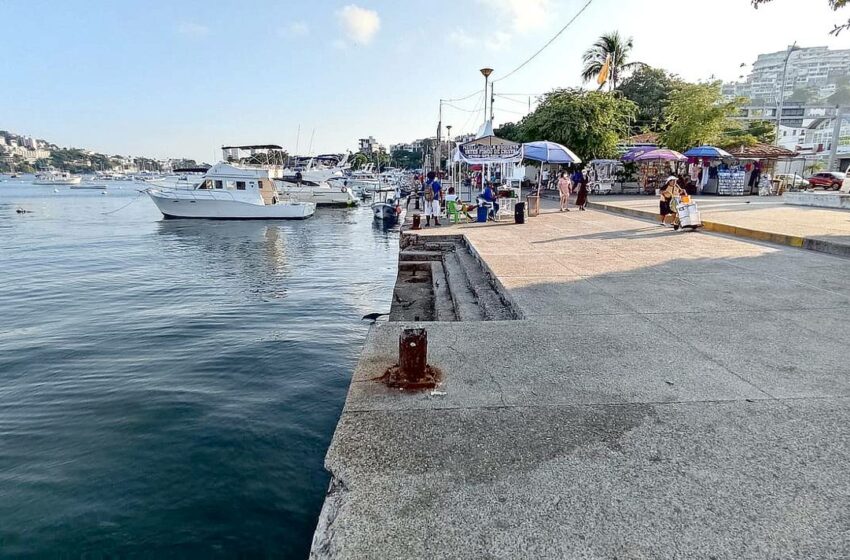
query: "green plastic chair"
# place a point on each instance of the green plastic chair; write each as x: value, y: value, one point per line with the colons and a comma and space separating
x: 453, y: 211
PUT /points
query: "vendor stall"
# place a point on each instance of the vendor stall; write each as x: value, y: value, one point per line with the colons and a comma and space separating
x: 708, y: 174
x: 759, y: 164
x: 656, y: 166
x: 602, y: 175
x: 495, y: 156
x: 548, y: 153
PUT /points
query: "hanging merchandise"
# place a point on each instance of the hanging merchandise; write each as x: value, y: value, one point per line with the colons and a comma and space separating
x: 730, y: 183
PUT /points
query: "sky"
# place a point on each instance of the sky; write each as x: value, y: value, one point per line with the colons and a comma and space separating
x: 181, y: 78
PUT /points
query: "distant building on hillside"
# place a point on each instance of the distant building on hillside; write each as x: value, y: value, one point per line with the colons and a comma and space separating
x: 369, y: 145
x: 817, y: 70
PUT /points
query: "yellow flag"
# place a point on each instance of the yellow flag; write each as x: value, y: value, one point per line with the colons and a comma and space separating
x: 603, y: 74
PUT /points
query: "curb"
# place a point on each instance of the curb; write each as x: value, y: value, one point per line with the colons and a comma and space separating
x: 808, y: 243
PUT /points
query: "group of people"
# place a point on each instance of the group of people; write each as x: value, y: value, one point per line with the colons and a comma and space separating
x: 569, y: 184
x: 430, y: 191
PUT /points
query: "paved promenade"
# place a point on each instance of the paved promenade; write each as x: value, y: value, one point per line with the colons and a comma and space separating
x: 766, y: 219
x: 666, y: 395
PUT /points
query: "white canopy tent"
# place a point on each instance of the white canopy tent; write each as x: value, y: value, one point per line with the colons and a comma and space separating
x: 488, y: 151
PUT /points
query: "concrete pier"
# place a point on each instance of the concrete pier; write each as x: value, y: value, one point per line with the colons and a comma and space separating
x: 655, y: 395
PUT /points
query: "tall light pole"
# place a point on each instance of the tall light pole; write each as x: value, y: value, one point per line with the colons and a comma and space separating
x: 791, y: 49
x: 486, y: 73
x: 449, y: 163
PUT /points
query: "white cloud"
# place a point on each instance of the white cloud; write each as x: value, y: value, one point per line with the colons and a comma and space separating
x: 460, y: 38
x: 193, y: 30
x: 522, y: 15
x: 359, y: 24
x: 295, y: 29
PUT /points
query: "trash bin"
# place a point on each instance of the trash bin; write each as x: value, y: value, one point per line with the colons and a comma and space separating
x: 519, y: 213
x: 482, y: 213
x: 533, y: 202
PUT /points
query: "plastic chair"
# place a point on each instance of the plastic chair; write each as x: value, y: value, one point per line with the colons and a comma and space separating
x: 452, y: 211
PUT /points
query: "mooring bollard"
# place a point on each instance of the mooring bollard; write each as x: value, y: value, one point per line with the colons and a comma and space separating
x: 413, y: 355
x: 417, y: 221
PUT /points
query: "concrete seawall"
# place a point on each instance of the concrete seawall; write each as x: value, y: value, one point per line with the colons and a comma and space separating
x: 639, y: 398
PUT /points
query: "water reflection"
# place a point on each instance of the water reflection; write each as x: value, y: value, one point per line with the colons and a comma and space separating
x: 255, y: 253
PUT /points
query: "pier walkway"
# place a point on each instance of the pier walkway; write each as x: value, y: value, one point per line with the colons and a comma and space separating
x: 662, y: 395
x: 759, y: 218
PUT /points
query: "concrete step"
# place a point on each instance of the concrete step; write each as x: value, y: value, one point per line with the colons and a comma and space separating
x: 444, y: 308
x: 463, y: 297
x: 490, y: 302
x: 405, y: 256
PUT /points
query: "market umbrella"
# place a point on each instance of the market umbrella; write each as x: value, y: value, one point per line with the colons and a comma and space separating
x: 662, y: 154
x: 707, y: 152
x: 636, y: 151
x: 548, y: 152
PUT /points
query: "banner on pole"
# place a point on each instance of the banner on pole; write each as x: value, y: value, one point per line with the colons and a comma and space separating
x: 490, y: 150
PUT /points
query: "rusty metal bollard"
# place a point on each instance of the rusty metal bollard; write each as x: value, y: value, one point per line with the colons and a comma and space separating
x: 413, y: 355
x: 417, y: 221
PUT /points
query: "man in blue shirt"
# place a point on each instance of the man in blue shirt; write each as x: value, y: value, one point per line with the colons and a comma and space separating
x: 488, y: 195
x: 433, y: 192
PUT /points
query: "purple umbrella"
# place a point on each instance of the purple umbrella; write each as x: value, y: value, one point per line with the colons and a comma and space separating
x: 662, y: 154
x: 636, y: 151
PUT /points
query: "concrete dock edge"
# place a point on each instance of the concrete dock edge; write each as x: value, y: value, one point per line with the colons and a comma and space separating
x: 811, y: 244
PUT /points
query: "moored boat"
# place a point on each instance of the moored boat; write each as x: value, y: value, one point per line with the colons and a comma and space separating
x: 230, y: 192
x: 52, y: 177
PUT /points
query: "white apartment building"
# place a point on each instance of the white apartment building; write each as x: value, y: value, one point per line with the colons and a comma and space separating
x: 369, y: 145
x: 813, y: 67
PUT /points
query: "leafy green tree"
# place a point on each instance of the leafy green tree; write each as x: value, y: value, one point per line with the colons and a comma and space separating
x: 755, y: 132
x: 615, y: 46
x: 649, y: 88
x: 695, y: 115
x: 509, y: 131
x: 589, y: 123
x: 834, y: 4
x: 358, y: 160
x: 407, y: 159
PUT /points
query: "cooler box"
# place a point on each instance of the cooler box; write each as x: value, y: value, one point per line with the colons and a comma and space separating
x: 689, y: 215
x: 482, y: 213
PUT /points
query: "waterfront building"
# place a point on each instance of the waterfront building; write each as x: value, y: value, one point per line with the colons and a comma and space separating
x: 816, y: 69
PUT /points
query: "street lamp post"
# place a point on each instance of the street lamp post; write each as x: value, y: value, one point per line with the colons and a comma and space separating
x: 791, y: 49
x: 449, y: 163
x: 486, y: 73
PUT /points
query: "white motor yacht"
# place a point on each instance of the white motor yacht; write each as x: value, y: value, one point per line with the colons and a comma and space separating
x: 230, y: 192
x: 319, y: 193
x: 52, y: 177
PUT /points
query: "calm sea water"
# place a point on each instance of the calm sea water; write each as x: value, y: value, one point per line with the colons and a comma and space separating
x: 169, y: 388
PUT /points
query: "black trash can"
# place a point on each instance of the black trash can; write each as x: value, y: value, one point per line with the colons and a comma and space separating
x: 519, y: 213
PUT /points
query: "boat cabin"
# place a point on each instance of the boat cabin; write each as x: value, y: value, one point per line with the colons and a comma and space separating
x: 229, y: 178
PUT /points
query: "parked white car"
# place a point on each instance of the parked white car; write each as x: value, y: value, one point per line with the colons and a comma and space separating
x: 792, y: 180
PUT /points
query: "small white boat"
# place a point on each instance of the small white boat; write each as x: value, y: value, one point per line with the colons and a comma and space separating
x: 390, y: 208
x: 52, y: 177
x: 230, y: 192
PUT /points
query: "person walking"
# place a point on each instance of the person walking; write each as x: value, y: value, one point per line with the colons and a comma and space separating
x: 433, y: 192
x: 581, y: 198
x: 670, y: 190
x: 565, y: 188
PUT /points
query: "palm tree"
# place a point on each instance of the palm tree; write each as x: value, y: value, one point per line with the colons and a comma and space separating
x: 615, y: 46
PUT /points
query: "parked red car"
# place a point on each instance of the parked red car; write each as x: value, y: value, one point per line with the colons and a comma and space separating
x: 827, y: 180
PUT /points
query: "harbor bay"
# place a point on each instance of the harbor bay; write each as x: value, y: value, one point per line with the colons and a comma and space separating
x: 169, y: 388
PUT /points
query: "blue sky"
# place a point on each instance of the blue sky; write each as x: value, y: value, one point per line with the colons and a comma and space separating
x: 182, y: 77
